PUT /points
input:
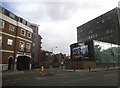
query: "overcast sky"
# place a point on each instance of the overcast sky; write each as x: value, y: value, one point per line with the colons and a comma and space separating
x: 58, y: 19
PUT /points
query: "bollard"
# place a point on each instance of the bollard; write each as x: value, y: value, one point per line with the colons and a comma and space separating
x: 42, y: 69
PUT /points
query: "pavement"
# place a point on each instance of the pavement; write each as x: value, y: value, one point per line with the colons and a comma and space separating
x: 55, y: 71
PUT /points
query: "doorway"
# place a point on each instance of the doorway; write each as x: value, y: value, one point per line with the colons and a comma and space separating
x: 10, y: 63
x: 23, y: 63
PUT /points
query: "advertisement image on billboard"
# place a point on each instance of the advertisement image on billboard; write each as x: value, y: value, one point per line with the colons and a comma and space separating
x: 80, y: 52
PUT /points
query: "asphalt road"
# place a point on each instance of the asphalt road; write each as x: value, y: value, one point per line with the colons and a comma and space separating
x: 100, y: 78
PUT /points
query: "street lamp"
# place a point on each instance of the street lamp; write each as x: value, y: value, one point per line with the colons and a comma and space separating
x: 52, y: 49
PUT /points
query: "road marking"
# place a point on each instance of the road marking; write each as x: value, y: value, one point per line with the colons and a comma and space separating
x: 38, y: 78
x: 77, y: 80
x: 5, y: 83
x: 25, y: 78
x: 17, y: 79
x: 59, y: 74
x: 9, y: 83
x: 12, y: 82
x: 86, y: 79
x: 6, y: 80
x: 108, y: 75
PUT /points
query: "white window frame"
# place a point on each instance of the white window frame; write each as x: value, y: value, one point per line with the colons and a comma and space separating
x: 0, y: 39
x: 30, y: 34
x: 1, y: 10
x: 23, y: 21
x: 103, y: 21
x: 20, y: 45
x: 1, y: 21
x: 29, y: 45
x: 24, y: 32
x: 12, y: 15
x: 11, y: 28
x: 10, y: 42
x: 33, y: 44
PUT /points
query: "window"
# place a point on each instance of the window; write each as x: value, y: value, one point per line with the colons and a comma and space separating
x: 10, y: 42
x: 88, y: 37
x: 0, y: 39
x: 98, y: 27
x: 11, y: 28
x: 1, y: 9
x: 28, y: 46
x: 20, y: 20
x: 28, y: 24
x: 108, y: 31
x: 29, y: 34
x: 33, y: 44
x: 81, y: 30
x: 109, y: 17
x: 1, y: 23
x: 23, y: 21
x: 111, y: 36
x: 23, y: 32
x: 97, y: 22
x: 90, y: 31
x: 12, y: 15
x: 22, y: 44
x: 96, y: 35
x: 103, y: 21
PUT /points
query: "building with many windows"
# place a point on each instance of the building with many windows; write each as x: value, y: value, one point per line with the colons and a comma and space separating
x: 103, y: 28
x: 103, y: 31
x: 15, y: 41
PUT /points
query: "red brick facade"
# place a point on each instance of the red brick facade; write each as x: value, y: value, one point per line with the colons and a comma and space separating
x: 10, y: 35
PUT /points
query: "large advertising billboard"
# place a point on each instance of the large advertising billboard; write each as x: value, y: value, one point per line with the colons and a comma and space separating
x: 80, y: 52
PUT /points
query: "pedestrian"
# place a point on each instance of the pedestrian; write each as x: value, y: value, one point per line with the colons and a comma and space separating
x: 62, y: 65
x: 74, y: 67
x: 89, y: 68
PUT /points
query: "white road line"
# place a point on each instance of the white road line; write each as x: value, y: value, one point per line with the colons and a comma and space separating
x: 6, y: 80
x: 12, y: 82
x: 17, y: 79
x: 38, y: 78
x: 5, y: 83
x: 71, y: 81
x: 9, y: 83
x: 59, y: 74
x: 77, y: 80
x: 108, y: 75
x: 25, y: 78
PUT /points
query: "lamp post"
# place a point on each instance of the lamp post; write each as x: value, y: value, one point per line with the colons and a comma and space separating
x: 52, y: 49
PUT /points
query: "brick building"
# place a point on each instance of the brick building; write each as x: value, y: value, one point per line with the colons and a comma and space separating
x: 36, y: 50
x: 15, y: 41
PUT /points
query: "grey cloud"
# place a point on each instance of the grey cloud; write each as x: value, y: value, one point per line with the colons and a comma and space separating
x: 60, y: 10
x: 45, y: 11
